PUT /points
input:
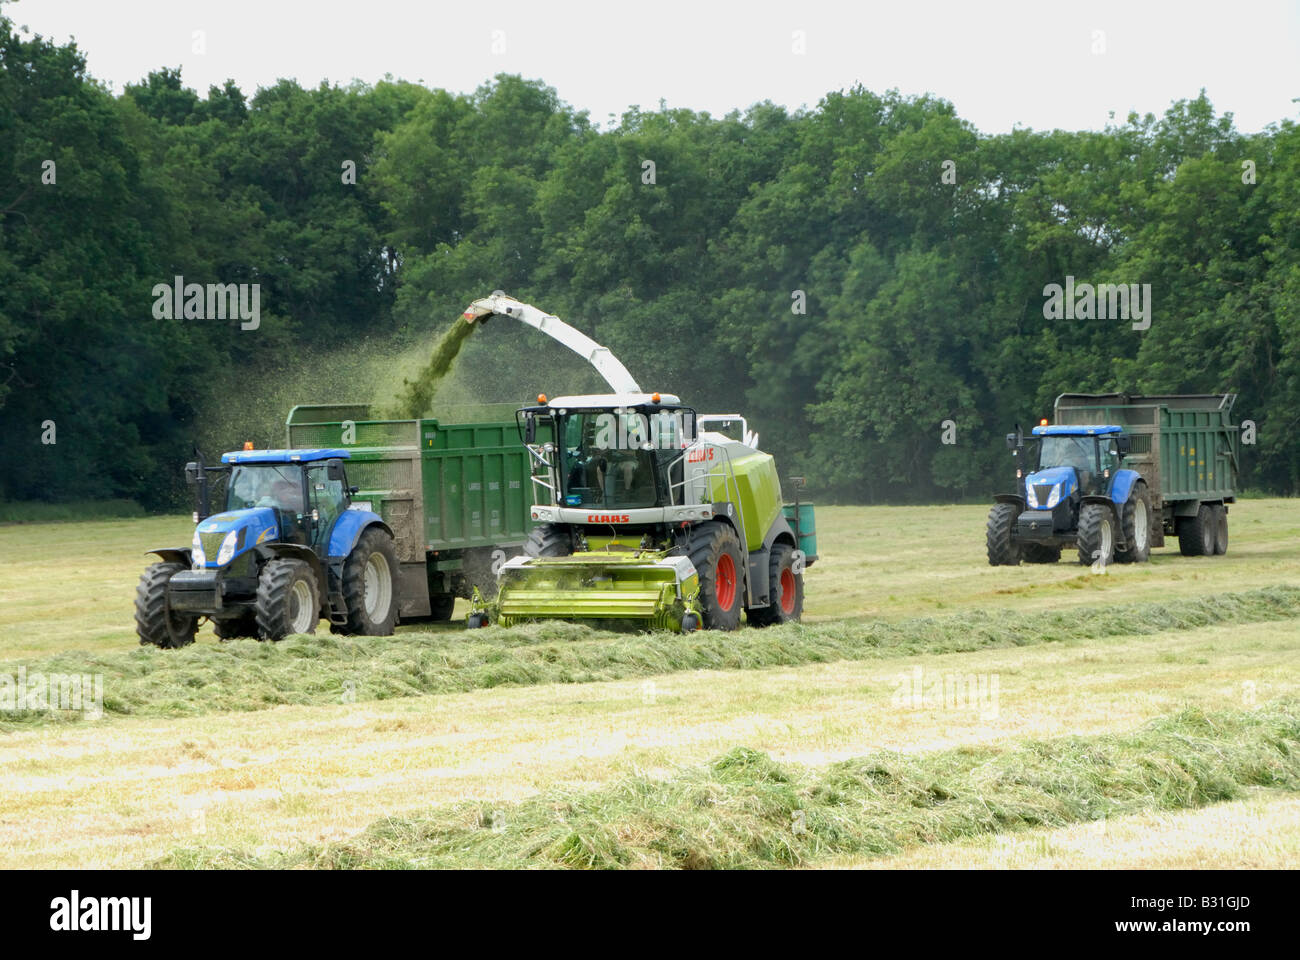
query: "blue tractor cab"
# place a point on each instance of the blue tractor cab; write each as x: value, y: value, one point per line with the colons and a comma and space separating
x: 287, y: 548
x: 1072, y: 489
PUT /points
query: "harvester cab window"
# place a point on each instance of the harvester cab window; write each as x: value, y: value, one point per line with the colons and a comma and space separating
x: 606, y: 460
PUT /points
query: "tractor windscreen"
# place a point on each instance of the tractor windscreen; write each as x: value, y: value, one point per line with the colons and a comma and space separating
x: 1077, y: 452
x: 265, y: 485
x: 615, y: 458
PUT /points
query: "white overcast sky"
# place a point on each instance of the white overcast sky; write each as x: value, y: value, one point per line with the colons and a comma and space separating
x: 1002, y: 64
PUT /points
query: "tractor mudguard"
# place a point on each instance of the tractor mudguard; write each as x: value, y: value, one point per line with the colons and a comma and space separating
x: 348, y: 529
x: 1122, y: 485
x: 1014, y: 498
x: 296, y: 551
x: 172, y: 555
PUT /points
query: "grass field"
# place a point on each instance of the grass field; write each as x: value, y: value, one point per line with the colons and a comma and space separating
x: 1133, y: 718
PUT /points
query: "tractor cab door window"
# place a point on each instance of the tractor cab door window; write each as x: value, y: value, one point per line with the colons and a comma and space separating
x: 327, y: 499
x: 1109, y: 456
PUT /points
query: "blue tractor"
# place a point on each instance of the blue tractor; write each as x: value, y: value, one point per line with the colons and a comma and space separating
x: 289, y: 548
x: 1072, y: 489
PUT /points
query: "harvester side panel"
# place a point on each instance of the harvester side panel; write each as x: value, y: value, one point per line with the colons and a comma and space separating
x: 760, y: 494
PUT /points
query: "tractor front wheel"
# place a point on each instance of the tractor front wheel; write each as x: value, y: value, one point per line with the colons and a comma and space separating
x: 370, y: 585
x: 784, y: 589
x: 287, y: 600
x: 1096, y: 537
x: 1002, y: 549
x: 1137, y: 526
x: 719, y: 564
x: 155, y: 624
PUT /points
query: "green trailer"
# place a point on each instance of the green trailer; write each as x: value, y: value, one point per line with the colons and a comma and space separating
x: 1187, y: 449
x: 455, y: 490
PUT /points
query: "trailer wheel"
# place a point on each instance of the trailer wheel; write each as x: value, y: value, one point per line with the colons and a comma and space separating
x: 232, y: 627
x: 1137, y: 526
x: 719, y: 564
x: 1096, y: 536
x: 549, y: 540
x: 1040, y: 553
x: 785, y: 588
x: 155, y: 624
x: 370, y: 585
x: 1196, y: 534
x: 1221, y: 530
x: 1003, y: 550
x: 287, y: 600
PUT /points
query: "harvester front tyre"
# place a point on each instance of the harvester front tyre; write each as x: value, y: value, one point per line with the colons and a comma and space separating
x: 690, y: 623
x: 1041, y: 553
x: 719, y: 563
x: 1196, y: 534
x: 785, y: 588
x: 1221, y: 531
x: 549, y: 540
x: 1002, y: 549
x: 1137, y: 526
x: 155, y: 624
x: 370, y: 585
x: 287, y: 600
x: 1096, y: 538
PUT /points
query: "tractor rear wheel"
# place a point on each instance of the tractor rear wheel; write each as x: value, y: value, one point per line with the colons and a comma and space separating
x: 370, y: 585
x: 1137, y: 526
x: 719, y: 564
x: 1041, y: 553
x: 1196, y: 534
x: 1096, y: 538
x: 1221, y: 530
x: 549, y: 540
x: 287, y: 600
x: 232, y: 627
x: 1003, y: 550
x: 784, y: 589
x: 154, y: 622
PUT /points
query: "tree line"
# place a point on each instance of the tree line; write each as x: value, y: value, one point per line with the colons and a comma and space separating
x: 868, y: 280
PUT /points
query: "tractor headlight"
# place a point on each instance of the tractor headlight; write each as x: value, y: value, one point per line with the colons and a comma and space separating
x: 1030, y: 496
x: 227, y: 549
x: 1054, y: 497
x: 199, y: 558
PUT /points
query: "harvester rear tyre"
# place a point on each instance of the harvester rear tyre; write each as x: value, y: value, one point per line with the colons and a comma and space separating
x: 287, y: 600
x: 232, y: 627
x: 784, y: 588
x: 549, y: 540
x: 1137, y: 526
x: 1196, y: 534
x: 155, y: 624
x: 1002, y: 549
x: 370, y: 585
x: 1041, y: 553
x: 1096, y: 538
x: 719, y: 564
x: 1221, y: 530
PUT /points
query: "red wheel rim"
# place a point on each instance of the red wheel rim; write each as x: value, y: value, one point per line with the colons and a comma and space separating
x: 787, y: 591
x: 725, y: 582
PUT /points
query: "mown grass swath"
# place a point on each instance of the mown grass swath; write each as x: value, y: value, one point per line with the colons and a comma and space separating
x: 744, y: 810
x: 247, y: 675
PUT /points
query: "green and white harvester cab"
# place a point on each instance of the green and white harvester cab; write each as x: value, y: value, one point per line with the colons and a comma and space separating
x: 645, y: 516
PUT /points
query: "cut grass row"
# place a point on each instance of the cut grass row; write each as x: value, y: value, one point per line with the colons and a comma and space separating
x: 744, y: 811
x: 247, y: 675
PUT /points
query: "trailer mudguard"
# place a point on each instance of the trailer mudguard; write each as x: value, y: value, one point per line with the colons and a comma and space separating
x: 348, y: 529
x: 1122, y: 485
